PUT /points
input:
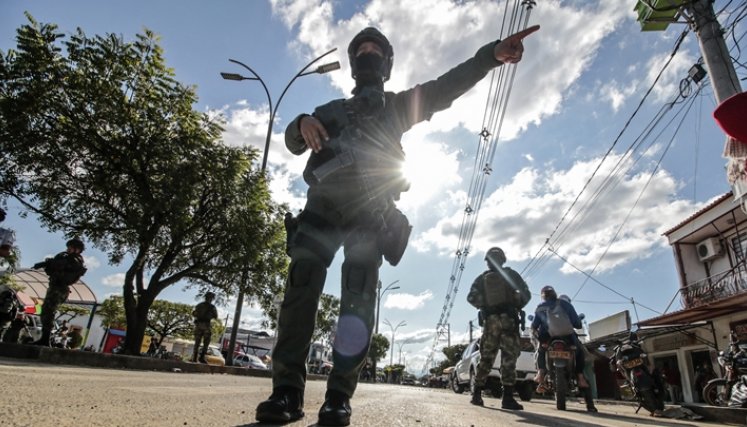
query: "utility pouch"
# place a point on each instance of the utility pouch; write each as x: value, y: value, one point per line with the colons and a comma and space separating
x: 291, y: 226
x: 393, y: 240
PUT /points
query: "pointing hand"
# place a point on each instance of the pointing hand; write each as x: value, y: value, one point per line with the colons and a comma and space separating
x: 510, y: 49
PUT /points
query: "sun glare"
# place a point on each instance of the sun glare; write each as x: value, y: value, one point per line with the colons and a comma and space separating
x: 430, y: 171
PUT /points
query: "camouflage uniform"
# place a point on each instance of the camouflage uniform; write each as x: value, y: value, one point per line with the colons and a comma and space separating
x: 204, y: 313
x: 345, y: 209
x: 63, y: 270
x: 501, y: 326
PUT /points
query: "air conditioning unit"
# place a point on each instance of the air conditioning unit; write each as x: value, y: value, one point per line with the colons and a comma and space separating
x: 709, y: 248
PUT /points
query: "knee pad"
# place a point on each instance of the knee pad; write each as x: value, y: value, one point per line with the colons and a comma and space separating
x: 307, y: 271
x: 356, y: 278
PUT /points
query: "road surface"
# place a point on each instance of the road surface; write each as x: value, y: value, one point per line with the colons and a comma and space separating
x: 52, y: 395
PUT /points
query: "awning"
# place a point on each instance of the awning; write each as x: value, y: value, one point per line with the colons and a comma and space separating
x: 28, y: 303
x: 648, y: 332
x: 724, y: 307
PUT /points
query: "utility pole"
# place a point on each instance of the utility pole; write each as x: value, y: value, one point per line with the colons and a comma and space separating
x: 656, y: 15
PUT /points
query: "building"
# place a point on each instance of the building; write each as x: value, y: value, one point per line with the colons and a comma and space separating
x: 709, y: 249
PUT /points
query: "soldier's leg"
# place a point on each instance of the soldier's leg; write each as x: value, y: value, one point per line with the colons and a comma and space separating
x: 510, y: 351
x: 488, y: 348
x: 312, y: 247
x: 360, y: 274
x: 52, y: 300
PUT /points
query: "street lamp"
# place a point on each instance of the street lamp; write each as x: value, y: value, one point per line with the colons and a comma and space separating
x: 378, y: 299
x: 394, y: 330
x: 322, y: 69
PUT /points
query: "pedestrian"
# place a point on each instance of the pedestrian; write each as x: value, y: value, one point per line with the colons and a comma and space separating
x: 499, y: 293
x: 152, y: 347
x: 63, y: 270
x: 673, y: 381
x: 75, y: 338
x: 353, y: 180
x: 203, y: 313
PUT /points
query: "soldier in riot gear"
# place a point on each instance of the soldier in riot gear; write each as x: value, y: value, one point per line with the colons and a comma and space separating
x: 63, y: 270
x: 354, y: 181
x: 204, y: 313
x: 499, y: 293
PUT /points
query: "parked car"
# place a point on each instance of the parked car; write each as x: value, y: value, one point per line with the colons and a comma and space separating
x: 248, y: 361
x: 463, y: 375
x: 213, y: 356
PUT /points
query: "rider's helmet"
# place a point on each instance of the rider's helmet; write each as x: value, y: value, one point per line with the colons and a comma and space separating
x: 209, y: 295
x: 76, y: 243
x: 371, y: 34
x: 565, y: 298
x: 495, y: 256
x: 548, y: 293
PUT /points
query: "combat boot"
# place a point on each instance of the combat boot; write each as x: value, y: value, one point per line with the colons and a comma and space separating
x: 477, y: 396
x: 508, y: 399
x: 284, y: 405
x: 336, y: 409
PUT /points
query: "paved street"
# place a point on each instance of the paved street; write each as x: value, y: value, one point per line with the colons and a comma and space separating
x: 48, y: 395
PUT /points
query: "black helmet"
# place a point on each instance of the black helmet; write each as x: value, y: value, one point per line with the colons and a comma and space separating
x: 495, y: 256
x: 209, y: 295
x: 371, y: 34
x: 548, y: 293
x: 76, y: 244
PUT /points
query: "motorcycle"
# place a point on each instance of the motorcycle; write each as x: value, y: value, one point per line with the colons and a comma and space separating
x: 561, y: 367
x: 647, y: 385
x: 718, y: 391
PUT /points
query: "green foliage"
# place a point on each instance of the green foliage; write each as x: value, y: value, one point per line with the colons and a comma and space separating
x: 326, y: 318
x: 453, y: 355
x: 167, y: 318
x: 69, y: 312
x: 112, y: 313
x: 379, y: 347
x: 101, y: 141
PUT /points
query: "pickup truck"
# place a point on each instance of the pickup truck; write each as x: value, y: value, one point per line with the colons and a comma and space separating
x: 463, y: 374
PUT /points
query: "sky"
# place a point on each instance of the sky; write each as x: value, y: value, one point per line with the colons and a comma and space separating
x: 574, y: 102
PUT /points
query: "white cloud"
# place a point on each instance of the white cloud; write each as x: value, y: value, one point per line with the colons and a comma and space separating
x: 617, y: 94
x: 405, y: 301
x: 114, y: 280
x: 91, y: 262
x: 520, y: 215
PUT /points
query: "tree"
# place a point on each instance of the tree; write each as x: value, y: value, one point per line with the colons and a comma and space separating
x: 453, y: 355
x: 167, y: 318
x: 104, y: 144
x: 70, y: 312
x: 112, y: 313
x: 378, y: 349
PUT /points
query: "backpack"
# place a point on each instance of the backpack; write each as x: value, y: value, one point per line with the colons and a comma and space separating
x: 558, y: 322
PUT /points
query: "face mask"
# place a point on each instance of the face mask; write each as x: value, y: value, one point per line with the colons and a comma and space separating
x: 370, y: 69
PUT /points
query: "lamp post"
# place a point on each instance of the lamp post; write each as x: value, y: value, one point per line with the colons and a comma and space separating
x: 378, y: 300
x: 394, y: 330
x: 322, y: 69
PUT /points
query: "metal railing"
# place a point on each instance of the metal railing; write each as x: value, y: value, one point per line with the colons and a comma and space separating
x: 715, y: 288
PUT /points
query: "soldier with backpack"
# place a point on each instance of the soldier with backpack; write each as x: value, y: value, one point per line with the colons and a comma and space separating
x: 203, y: 313
x: 499, y: 293
x: 556, y: 318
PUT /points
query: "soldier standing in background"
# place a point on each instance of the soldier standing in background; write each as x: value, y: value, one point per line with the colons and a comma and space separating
x: 499, y: 293
x: 63, y: 270
x: 204, y: 313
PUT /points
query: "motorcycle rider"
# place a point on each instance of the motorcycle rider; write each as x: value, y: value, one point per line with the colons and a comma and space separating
x: 558, y: 312
x: 353, y: 184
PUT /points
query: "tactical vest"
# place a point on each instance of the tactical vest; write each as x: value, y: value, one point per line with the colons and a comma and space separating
x: 203, y: 312
x: 496, y: 291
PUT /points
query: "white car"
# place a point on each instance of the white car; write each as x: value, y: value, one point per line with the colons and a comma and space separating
x: 463, y: 375
x: 248, y: 361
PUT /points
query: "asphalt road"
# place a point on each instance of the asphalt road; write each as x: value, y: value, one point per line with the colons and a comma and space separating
x: 51, y: 395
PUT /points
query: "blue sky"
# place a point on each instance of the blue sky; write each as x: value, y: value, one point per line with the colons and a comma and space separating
x: 582, y: 77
